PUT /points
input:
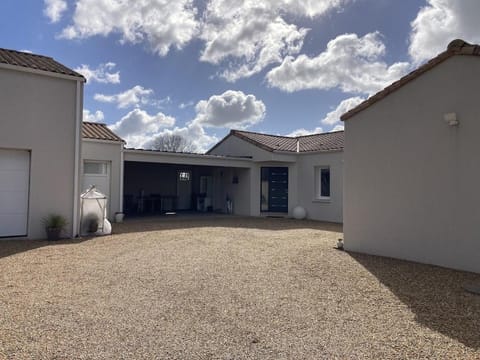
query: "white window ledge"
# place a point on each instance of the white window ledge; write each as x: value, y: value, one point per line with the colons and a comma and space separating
x: 325, y: 200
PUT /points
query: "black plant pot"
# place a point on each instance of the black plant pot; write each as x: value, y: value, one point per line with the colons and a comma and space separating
x: 53, y: 233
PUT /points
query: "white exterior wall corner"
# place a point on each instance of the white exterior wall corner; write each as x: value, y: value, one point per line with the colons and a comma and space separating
x: 39, y: 115
x: 411, y: 180
x: 330, y: 210
x: 78, y: 157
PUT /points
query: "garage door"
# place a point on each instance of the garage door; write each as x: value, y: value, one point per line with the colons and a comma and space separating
x: 14, y: 185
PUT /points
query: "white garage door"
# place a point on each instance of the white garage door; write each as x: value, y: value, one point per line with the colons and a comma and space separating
x: 14, y: 184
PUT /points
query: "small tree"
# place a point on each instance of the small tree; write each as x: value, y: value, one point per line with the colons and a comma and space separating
x: 173, y: 143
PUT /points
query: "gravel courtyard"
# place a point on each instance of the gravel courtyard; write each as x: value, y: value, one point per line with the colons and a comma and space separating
x: 227, y: 288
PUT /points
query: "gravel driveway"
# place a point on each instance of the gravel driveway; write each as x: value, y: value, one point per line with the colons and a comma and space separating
x: 227, y: 288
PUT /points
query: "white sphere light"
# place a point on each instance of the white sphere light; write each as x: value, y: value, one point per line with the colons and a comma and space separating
x: 299, y: 213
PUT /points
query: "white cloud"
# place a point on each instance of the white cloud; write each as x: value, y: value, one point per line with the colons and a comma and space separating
x: 162, y: 103
x: 333, y: 117
x: 303, y: 132
x: 353, y: 64
x: 310, y: 8
x: 103, y: 73
x: 250, y: 35
x: 185, y: 105
x: 440, y: 22
x: 97, y: 116
x: 192, y: 132
x: 230, y: 109
x: 137, y: 127
x: 162, y: 24
x: 135, y: 96
x: 54, y: 9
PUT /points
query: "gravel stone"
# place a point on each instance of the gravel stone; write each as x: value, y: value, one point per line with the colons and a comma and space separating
x: 226, y: 287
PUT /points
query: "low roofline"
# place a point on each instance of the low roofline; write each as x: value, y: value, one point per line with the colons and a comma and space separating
x: 113, y: 137
x: 256, y: 143
x: 309, y: 152
x: 36, y: 64
x: 186, y: 154
x: 238, y: 133
x: 456, y: 47
x: 42, y: 72
x: 103, y: 141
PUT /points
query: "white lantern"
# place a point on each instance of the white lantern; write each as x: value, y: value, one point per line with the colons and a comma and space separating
x: 93, y: 213
x: 299, y: 213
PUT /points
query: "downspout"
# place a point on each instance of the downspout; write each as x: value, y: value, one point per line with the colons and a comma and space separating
x: 298, y: 145
x: 78, y: 125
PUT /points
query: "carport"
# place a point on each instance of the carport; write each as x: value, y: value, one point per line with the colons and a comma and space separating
x: 157, y: 182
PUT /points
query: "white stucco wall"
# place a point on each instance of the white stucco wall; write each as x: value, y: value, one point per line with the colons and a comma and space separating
x: 38, y: 114
x: 411, y: 180
x: 325, y: 210
x: 238, y: 193
x: 301, y: 177
x: 110, y: 152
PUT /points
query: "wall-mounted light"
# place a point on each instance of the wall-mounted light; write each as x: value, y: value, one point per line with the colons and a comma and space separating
x: 451, y: 119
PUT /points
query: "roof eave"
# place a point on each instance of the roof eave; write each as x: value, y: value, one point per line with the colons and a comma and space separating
x: 456, y: 47
x: 105, y: 141
x: 42, y: 72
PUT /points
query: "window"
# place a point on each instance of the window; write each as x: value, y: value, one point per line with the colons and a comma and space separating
x: 184, y: 176
x: 95, y: 168
x: 322, y: 182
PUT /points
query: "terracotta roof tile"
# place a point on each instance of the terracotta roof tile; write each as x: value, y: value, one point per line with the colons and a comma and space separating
x: 268, y: 142
x: 456, y: 47
x: 33, y: 61
x: 310, y: 143
x: 98, y: 131
x: 322, y: 142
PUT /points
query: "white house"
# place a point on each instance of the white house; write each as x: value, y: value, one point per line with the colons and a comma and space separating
x: 286, y: 172
x: 411, y: 165
x: 257, y: 174
x: 41, y: 113
x: 48, y: 156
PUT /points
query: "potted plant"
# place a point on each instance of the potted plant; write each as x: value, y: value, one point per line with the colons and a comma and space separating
x: 119, y: 217
x: 54, y: 225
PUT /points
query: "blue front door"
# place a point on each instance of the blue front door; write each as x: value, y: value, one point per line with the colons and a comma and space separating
x: 274, y: 189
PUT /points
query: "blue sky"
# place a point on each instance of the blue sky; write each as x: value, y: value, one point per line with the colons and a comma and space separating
x: 200, y: 68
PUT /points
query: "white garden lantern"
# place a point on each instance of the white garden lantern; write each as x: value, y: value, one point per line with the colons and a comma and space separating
x: 93, y: 213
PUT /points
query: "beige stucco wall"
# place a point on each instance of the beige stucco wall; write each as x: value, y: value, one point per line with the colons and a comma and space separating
x: 325, y: 210
x: 112, y: 153
x: 411, y: 180
x: 38, y: 114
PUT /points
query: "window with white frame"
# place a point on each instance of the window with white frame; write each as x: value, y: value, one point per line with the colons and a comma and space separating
x: 95, y: 168
x: 322, y: 182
